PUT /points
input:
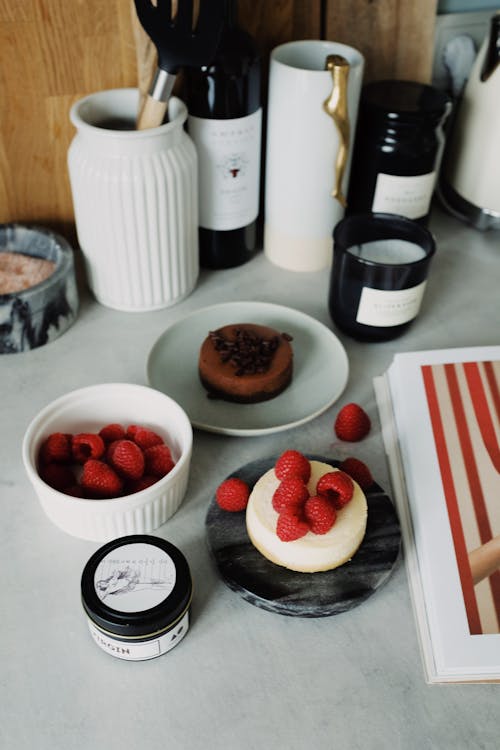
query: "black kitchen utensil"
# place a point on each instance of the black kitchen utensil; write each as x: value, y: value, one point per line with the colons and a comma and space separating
x: 177, y: 44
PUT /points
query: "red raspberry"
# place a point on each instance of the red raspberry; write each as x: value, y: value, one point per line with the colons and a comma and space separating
x: 57, y: 447
x: 136, y: 485
x: 320, y: 514
x: 146, y: 438
x: 352, y: 423
x: 131, y: 430
x: 126, y: 458
x: 337, y: 487
x: 100, y: 480
x: 291, y: 525
x: 290, y: 493
x: 57, y: 476
x: 232, y: 494
x: 358, y: 471
x: 158, y: 460
x: 293, y: 464
x: 87, y: 445
x: 112, y: 432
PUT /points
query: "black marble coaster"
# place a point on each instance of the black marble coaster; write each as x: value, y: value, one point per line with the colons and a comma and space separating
x: 279, y: 590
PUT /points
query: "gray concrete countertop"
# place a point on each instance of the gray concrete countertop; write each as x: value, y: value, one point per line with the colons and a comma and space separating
x: 243, y: 678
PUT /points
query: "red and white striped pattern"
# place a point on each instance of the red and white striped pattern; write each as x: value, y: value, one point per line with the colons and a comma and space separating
x: 464, y: 407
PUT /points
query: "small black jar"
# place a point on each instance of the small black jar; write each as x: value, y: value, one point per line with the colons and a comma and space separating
x: 379, y: 274
x: 136, y: 593
x: 398, y: 148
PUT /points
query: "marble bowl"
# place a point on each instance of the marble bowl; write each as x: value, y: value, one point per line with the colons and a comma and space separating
x: 36, y: 315
x: 87, y: 410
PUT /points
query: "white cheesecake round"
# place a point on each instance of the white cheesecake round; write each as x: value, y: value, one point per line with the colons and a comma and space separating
x: 312, y: 552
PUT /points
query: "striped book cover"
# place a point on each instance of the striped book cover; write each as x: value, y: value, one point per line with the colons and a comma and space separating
x: 464, y: 406
x: 440, y: 418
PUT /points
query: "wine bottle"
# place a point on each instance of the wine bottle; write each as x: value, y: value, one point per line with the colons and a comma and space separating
x: 225, y: 123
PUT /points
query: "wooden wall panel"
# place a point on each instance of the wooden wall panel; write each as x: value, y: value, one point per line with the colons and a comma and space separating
x: 53, y: 52
x: 395, y: 36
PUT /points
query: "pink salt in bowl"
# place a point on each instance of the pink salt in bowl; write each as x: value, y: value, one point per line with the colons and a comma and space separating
x: 38, y: 292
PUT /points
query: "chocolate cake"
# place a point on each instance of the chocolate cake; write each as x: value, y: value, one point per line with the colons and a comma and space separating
x: 245, y: 363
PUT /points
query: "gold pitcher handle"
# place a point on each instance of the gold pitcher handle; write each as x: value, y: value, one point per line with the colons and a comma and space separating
x: 336, y: 107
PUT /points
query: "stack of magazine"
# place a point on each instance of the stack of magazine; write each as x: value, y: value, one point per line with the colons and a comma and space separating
x: 440, y: 416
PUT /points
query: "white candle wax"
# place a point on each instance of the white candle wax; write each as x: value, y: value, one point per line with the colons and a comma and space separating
x: 393, y: 251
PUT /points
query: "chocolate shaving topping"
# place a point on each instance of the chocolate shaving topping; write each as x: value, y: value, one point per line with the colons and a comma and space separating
x: 249, y: 353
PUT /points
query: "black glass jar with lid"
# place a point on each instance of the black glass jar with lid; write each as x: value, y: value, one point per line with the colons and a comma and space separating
x: 398, y: 148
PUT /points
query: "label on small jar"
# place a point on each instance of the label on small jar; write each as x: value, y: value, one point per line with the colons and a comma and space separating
x: 406, y: 196
x: 135, y: 577
x: 385, y: 308
x: 228, y: 167
x: 140, y: 650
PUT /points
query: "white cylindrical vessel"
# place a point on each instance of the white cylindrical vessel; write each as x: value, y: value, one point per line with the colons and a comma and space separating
x: 135, y: 201
x: 303, y: 149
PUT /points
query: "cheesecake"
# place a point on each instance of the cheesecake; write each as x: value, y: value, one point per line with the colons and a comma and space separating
x: 310, y: 553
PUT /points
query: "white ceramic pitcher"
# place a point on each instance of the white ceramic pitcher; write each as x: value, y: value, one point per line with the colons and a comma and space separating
x: 136, y: 202
x: 314, y: 89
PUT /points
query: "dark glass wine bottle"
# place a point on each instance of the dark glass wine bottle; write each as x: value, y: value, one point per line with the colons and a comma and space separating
x: 225, y: 123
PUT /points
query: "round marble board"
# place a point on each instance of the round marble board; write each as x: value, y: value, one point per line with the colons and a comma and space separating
x: 277, y: 589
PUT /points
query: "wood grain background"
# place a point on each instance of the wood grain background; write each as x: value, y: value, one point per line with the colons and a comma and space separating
x: 55, y: 51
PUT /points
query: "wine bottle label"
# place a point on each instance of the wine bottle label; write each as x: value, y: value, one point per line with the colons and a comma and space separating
x: 383, y: 308
x: 228, y: 170
x: 406, y: 196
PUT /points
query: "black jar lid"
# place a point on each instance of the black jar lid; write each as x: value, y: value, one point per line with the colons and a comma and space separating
x: 136, y: 586
x: 404, y: 100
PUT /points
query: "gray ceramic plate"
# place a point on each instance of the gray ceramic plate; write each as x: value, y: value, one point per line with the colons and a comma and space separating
x: 321, y: 370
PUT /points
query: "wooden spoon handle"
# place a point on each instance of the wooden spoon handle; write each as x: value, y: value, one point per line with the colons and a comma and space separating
x: 146, y: 57
x: 151, y: 114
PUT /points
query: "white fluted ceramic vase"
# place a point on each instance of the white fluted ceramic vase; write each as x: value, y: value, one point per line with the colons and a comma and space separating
x: 135, y: 202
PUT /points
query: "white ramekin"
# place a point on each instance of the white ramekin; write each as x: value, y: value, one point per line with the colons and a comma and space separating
x: 87, y: 410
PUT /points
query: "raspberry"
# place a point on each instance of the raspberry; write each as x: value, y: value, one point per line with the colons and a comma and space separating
x: 146, y: 438
x: 232, y: 494
x: 158, y: 460
x: 131, y: 430
x: 87, y: 445
x: 291, y: 525
x: 112, y: 432
x: 293, y: 464
x: 358, y: 471
x: 320, y: 514
x: 57, y: 447
x: 352, y: 423
x: 126, y: 458
x: 100, y: 480
x: 291, y: 493
x: 57, y: 476
x: 337, y: 487
x: 136, y: 485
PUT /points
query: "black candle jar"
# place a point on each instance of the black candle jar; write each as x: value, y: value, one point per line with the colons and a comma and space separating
x: 398, y: 148
x: 379, y: 272
x: 136, y: 592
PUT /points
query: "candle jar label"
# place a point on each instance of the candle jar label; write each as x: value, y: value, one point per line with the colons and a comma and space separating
x: 406, y: 196
x: 383, y: 308
x: 139, y: 651
x: 135, y: 577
